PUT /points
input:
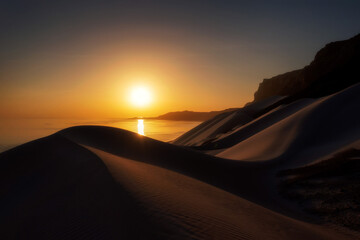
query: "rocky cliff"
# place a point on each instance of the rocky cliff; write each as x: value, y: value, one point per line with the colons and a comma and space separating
x: 335, y: 67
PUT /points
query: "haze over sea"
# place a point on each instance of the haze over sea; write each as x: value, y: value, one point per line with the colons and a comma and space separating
x: 19, y: 131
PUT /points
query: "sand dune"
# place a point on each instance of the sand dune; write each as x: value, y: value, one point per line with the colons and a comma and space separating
x: 315, y: 131
x: 54, y: 189
x: 185, y: 208
x: 93, y: 182
x: 241, y: 133
x: 86, y: 182
x: 223, y: 123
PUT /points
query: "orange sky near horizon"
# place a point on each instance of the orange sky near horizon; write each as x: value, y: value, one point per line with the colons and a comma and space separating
x: 98, y: 84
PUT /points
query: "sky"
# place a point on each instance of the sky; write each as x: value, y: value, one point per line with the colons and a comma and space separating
x: 69, y: 59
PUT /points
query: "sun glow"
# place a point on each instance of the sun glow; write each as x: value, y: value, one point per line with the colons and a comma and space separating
x: 140, y: 96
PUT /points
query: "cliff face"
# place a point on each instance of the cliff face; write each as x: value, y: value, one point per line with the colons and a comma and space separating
x: 335, y: 67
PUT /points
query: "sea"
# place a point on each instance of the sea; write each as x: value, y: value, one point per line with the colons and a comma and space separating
x: 14, y: 132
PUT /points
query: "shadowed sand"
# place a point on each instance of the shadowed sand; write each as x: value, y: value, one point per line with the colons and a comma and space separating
x: 106, y: 183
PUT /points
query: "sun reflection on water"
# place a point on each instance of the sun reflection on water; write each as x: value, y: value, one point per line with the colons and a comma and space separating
x: 140, y: 127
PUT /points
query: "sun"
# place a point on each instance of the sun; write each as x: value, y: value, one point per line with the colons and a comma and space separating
x: 140, y: 96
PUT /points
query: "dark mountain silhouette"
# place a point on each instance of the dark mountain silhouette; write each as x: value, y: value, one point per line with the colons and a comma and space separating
x: 192, y: 116
x: 335, y: 67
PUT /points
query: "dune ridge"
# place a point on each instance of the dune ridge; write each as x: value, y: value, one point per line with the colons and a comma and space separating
x: 313, y: 126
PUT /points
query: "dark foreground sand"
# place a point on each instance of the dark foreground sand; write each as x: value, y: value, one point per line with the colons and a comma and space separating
x: 105, y: 183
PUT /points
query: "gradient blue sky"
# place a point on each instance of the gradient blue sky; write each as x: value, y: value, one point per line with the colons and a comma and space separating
x: 77, y: 56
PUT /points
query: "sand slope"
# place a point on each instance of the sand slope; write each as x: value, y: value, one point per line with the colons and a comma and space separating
x: 106, y: 183
x: 185, y: 208
x: 93, y: 182
x: 221, y: 124
x: 54, y: 189
x: 316, y: 130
